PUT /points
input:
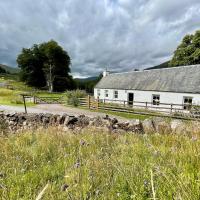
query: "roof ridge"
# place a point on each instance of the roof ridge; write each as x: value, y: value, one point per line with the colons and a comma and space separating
x: 159, y: 69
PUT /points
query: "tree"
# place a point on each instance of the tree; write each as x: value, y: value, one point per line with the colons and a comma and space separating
x: 88, y: 84
x: 188, y: 52
x: 46, y: 64
x: 31, y: 63
x: 56, y: 64
x: 2, y: 71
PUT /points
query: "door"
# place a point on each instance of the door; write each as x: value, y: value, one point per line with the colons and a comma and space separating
x: 130, y: 99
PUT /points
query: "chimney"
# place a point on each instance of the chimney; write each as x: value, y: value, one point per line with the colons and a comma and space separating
x: 106, y: 73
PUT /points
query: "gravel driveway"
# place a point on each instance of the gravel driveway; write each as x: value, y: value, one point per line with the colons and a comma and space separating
x: 55, y: 109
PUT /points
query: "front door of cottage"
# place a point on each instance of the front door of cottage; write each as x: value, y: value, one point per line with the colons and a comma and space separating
x: 130, y: 98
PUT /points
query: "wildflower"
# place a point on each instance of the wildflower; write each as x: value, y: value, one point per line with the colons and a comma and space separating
x: 194, y: 138
x: 97, y: 192
x: 82, y: 143
x: 77, y: 164
x: 2, y: 175
x: 146, y: 183
x: 118, y: 194
x: 64, y: 187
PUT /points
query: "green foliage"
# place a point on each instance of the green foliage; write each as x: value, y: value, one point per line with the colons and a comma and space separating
x: 188, y: 52
x: 74, y: 101
x: 17, y: 100
x: 10, y: 70
x: 73, y: 97
x: 31, y: 63
x: 2, y: 71
x: 88, y: 83
x: 99, y: 165
x: 46, y: 64
x: 10, y: 97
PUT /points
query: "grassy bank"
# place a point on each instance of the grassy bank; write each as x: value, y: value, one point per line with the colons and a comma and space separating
x: 10, y: 94
x: 99, y: 165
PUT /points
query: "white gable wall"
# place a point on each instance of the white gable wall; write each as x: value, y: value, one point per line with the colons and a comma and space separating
x: 146, y: 96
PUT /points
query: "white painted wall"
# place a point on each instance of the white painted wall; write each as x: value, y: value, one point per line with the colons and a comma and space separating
x: 146, y: 96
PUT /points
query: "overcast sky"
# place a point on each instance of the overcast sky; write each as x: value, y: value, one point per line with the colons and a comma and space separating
x: 119, y: 34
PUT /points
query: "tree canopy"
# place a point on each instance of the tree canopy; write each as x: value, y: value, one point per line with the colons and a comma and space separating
x: 88, y: 84
x: 2, y: 71
x: 46, y: 65
x: 188, y: 52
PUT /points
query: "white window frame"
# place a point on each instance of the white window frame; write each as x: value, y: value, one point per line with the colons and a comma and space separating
x: 98, y: 93
x: 156, y: 101
x: 116, y: 94
x: 106, y: 93
x: 187, y: 105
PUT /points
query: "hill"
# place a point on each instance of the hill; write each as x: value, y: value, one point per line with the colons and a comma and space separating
x: 163, y: 65
x: 9, y: 69
x: 93, y: 78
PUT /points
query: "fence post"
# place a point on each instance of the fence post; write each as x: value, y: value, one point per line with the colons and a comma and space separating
x: 124, y: 103
x: 171, y: 108
x: 146, y: 105
x: 97, y: 103
x: 34, y: 100
x: 24, y: 100
x: 89, y: 101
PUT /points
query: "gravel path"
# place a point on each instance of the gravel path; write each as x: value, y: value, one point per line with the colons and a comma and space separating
x: 55, y: 109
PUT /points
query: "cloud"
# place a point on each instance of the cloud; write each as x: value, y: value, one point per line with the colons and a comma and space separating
x: 118, y: 34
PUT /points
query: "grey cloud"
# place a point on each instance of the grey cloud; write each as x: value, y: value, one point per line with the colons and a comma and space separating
x: 119, y: 34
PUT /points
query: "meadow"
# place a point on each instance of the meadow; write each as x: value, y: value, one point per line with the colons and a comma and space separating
x: 95, y: 164
x: 11, y: 93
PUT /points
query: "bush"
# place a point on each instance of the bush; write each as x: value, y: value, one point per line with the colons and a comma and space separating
x: 17, y: 100
x: 73, y: 101
x: 73, y: 97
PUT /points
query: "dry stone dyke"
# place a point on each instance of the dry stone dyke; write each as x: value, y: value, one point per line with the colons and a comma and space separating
x: 15, y: 122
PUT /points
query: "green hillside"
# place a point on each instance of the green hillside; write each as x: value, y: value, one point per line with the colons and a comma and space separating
x: 9, y: 69
x: 163, y: 65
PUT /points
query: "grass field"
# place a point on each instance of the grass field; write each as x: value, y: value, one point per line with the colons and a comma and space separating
x: 11, y: 95
x: 97, y: 165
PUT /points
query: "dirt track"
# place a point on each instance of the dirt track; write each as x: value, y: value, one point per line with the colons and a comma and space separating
x: 54, y: 109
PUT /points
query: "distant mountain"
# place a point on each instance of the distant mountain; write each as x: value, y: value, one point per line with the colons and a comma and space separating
x: 92, y: 78
x: 163, y: 65
x: 9, y: 69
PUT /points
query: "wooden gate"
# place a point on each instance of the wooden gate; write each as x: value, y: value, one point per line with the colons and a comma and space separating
x: 48, y: 100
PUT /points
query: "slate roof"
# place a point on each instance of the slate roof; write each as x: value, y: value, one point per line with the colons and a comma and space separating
x: 184, y: 79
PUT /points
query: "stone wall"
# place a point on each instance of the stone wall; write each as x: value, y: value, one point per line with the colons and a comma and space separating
x: 15, y: 122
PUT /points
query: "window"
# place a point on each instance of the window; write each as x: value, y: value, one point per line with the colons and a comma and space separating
x: 187, y: 103
x: 115, y: 94
x: 156, y: 99
x: 98, y: 93
x: 106, y: 93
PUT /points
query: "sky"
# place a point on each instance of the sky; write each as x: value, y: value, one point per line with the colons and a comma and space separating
x: 120, y: 35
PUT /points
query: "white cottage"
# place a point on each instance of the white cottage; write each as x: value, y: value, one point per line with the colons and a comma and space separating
x: 179, y: 86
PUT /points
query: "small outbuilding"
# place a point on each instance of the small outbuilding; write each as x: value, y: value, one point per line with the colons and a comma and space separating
x: 176, y: 86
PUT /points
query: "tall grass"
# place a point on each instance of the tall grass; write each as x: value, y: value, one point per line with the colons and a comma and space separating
x: 97, y: 165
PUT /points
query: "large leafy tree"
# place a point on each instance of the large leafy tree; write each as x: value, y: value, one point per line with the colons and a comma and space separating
x: 46, y: 64
x: 31, y: 63
x: 188, y: 52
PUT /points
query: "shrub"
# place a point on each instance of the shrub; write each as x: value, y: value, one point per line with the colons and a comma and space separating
x: 73, y: 97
